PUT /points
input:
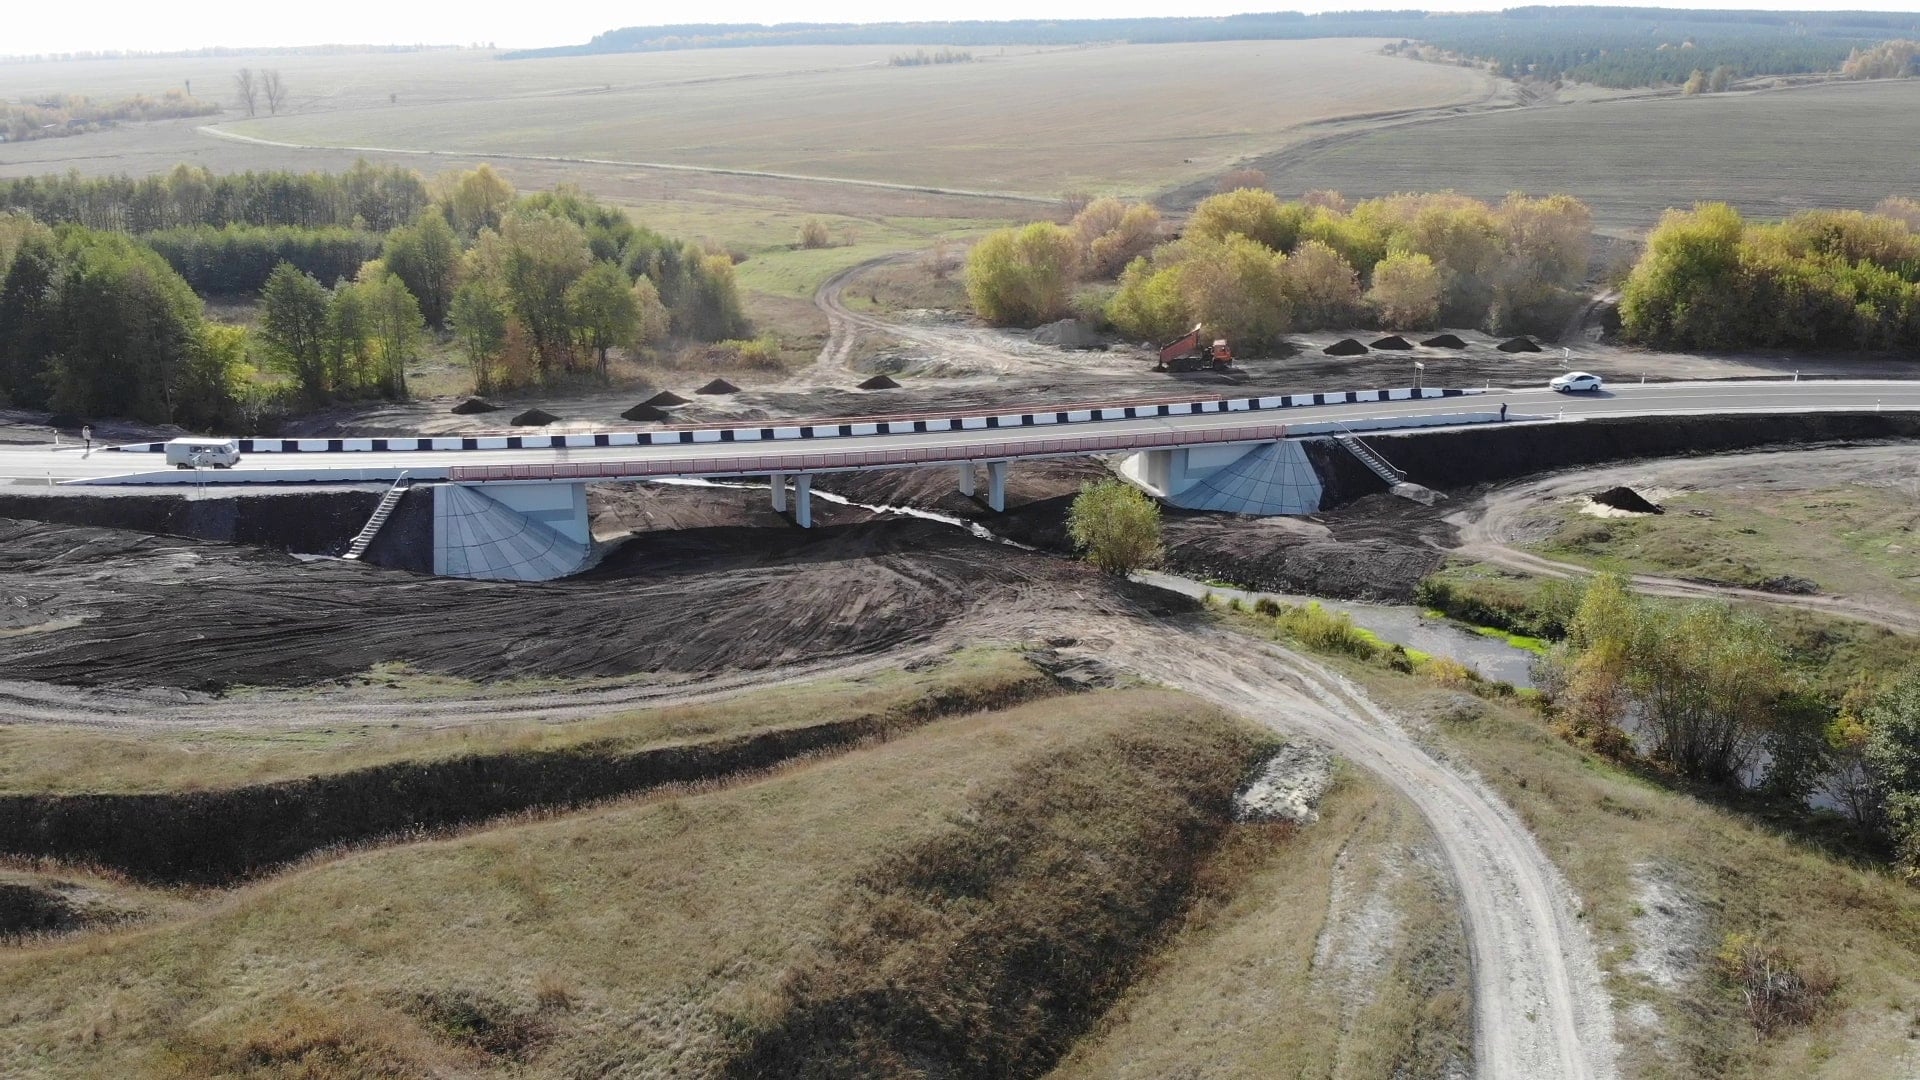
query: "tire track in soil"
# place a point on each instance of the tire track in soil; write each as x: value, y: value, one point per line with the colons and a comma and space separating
x: 1541, y: 1009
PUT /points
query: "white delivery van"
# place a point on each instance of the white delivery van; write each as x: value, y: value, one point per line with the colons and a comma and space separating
x: 190, y: 453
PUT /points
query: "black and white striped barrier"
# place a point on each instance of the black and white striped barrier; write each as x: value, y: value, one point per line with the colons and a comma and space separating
x: 822, y: 430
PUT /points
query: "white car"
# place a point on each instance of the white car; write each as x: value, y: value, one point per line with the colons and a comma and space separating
x: 1574, y: 382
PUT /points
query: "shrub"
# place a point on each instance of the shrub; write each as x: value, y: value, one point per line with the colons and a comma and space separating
x: 1406, y: 291
x: 1240, y: 178
x: 813, y: 234
x: 1778, y: 993
x: 1116, y: 526
x: 1023, y: 277
x: 1253, y: 213
x: 1326, y: 631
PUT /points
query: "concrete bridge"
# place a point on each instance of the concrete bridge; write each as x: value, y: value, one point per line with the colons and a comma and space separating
x: 514, y: 506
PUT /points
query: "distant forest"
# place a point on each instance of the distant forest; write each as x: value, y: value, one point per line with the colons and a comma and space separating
x: 1610, y: 46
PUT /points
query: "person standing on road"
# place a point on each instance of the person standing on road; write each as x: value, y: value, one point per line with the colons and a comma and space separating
x: 1503, y: 412
x: 86, y: 435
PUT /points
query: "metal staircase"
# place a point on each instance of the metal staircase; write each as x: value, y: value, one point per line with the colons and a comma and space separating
x: 1394, y: 477
x: 380, y: 515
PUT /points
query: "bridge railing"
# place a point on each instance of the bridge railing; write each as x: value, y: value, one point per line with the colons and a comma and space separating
x: 847, y: 460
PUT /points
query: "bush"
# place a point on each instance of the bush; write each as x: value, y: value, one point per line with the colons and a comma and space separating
x: 1023, y: 277
x: 1778, y: 993
x: 1116, y: 526
x: 813, y: 234
x: 1406, y: 292
x: 1824, y: 279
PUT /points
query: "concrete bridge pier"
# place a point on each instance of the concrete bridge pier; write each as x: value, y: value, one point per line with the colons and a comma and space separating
x: 966, y: 480
x: 996, y: 485
x: 803, y: 500
x: 778, y: 482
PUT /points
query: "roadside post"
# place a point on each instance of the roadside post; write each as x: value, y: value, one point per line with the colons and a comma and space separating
x: 1419, y: 370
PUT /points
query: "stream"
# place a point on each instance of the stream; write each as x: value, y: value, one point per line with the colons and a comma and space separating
x: 1399, y: 624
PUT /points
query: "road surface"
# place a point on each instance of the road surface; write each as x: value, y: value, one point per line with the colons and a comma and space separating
x: 48, y: 463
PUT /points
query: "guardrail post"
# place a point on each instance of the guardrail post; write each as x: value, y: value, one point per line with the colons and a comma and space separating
x: 778, y: 481
x: 997, y: 485
x: 966, y: 479
x: 803, y: 500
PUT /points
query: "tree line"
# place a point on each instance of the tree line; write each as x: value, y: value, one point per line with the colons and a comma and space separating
x: 527, y: 288
x: 1253, y: 268
x: 1709, y: 279
x: 1611, y: 46
x: 372, y: 197
x: 58, y: 115
x: 1710, y: 695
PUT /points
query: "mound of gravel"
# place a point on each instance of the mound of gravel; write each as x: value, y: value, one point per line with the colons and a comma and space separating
x: 1444, y: 341
x: 1394, y: 341
x: 1519, y: 344
x: 533, y: 418
x: 1345, y: 347
x: 879, y: 382
x: 718, y: 386
x: 1067, y: 333
x: 644, y: 412
x: 1625, y: 498
x: 665, y: 398
x: 475, y: 405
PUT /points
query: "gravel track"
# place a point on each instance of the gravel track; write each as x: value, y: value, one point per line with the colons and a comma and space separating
x: 1541, y: 1007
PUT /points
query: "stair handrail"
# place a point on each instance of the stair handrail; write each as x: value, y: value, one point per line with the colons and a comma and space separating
x: 1377, y: 455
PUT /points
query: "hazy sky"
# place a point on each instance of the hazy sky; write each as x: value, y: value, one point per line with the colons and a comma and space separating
x: 37, y: 26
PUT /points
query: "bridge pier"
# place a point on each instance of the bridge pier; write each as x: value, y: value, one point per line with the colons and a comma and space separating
x: 778, y: 481
x: 966, y: 479
x: 803, y: 500
x: 996, y: 485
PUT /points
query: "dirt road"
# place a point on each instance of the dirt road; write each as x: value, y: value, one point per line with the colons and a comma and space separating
x: 1541, y: 1007
x: 1506, y: 517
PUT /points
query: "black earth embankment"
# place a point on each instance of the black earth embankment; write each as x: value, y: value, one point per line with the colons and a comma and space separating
x: 309, y: 522
x: 1490, y: 453
x: 218, y: 837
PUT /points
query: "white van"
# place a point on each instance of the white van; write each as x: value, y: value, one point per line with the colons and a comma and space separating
x: 189, y: 453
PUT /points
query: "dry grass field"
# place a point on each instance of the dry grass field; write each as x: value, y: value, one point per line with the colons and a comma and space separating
x: 1768, y: 153
x: 1666, y: 877
x: 650, y: 936
x: 1130, y: 118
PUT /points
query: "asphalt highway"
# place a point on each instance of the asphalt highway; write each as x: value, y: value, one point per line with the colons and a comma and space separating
x: 44, y: 464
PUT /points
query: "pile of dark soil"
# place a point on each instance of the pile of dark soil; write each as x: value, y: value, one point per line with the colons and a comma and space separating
x: 27, y: 910
x: 533, y: 418
x: 475, y: 405
x: 1394, y: 341
x: 1444, y: 341
x: 718, y: 386
x: 688, y: 599
x: 1516, y: 345
x: 1625, y: 498
x: 1789, y: 584
x: 664, y: 399
x: 65, y: 421
x: 1345, y: 347
x: 879, y: 382
x: 644, y: 412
